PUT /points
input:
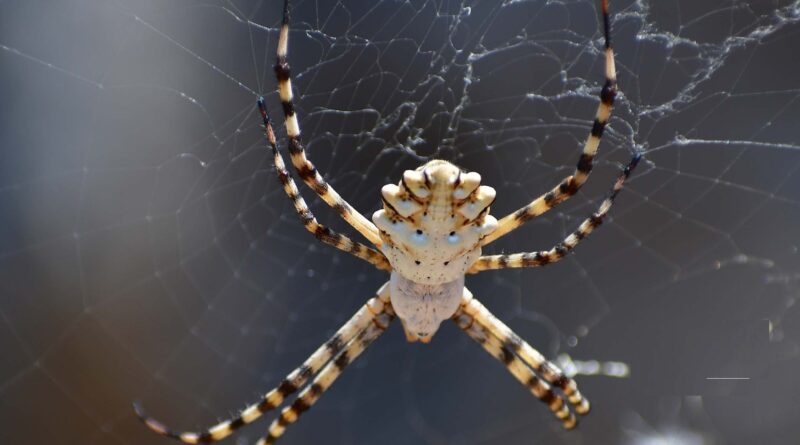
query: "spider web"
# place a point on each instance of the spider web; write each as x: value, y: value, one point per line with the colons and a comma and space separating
x: 147, y: 250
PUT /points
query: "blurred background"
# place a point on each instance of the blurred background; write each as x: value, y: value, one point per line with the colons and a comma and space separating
x: 147, y: 251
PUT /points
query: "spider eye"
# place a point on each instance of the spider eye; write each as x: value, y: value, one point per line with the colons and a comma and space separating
x: 453, y: 238
x: 419, y: 232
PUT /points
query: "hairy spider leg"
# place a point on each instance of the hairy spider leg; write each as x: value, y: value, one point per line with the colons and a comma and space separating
x: 309, y: 396
x: 533, y: 358
x: 363, y: 318
x: 515, y: 365
x: 307, y: 171
x: 571, y: 184
x: 543, y: 258
x: 321, y: 232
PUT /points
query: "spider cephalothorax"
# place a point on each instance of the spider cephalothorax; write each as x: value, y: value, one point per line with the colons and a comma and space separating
x: 431, y: 226
x: 428, y: 235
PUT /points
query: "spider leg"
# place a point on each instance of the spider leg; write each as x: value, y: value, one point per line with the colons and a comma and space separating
x: 312, y: 393
x: 467, y: 317
x: 307, y: 171
x: 571, y: 184
x: 322, y: 233
x: 542, y: 258
x: 533, y: 358
x: 365, y: 317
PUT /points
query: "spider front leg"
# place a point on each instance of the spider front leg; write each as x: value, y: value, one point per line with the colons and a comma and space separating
x: 322, y: 233
x: 311, y: 394
x: 570, y: 185
x: 542, y: 258
x: 304, y: 167
x: 521, y: 360
x: 369, y: 315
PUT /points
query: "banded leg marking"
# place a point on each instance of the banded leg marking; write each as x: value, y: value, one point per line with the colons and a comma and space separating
x: 311, y: 394
x: 307, y: 171
x: 515, y: 365
x: 363, y: 318
x: 321, y: 232
x: 533, y: 358
x: 570, y: 185
x: 543, y: 258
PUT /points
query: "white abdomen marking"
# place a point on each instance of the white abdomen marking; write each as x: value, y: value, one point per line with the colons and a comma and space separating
x: 431, y: 227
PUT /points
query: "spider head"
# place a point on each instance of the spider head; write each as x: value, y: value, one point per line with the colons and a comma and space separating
x: 432, y: 222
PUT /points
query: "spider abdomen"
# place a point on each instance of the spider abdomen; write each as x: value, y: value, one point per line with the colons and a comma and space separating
x: 423, y: 307
x: 432, y: 222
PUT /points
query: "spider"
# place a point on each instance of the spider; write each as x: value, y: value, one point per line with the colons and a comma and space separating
x: 428, y: 236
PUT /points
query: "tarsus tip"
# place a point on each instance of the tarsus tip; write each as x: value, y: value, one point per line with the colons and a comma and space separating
x: 262, y: 108
x: 138, y: 409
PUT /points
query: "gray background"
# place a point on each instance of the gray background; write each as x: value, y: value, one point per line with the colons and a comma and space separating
x: 147, y: 251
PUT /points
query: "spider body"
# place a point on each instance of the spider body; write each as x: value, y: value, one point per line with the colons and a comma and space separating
x: 431, y: 226
x: 421, y: 308
x: 428, y: 236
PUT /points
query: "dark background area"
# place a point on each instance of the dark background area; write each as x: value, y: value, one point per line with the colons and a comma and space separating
x: 148, y: 253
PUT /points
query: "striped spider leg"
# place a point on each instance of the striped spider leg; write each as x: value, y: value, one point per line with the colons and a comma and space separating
x: 428, y: 235
x: 307, y: 171
x: 521, y: 359
x: 311, y: 394
x: 571, y: 184
x: 321, y: 232
x: 324, y: 365
x: 543, y: 258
